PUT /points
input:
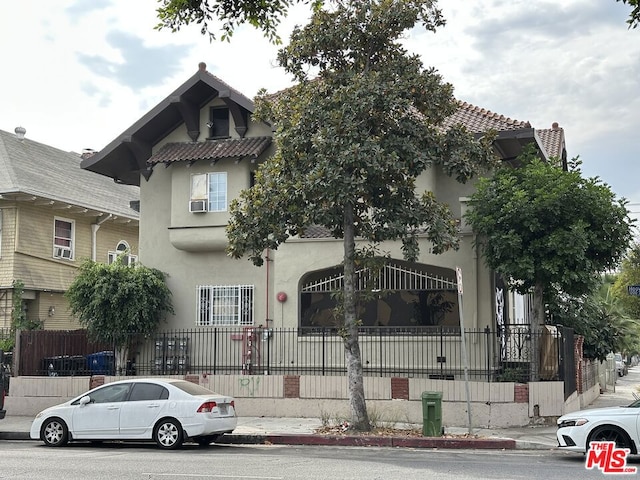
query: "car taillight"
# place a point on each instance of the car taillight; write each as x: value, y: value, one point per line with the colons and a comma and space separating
x: 207, y: 407
x: 233, y: 404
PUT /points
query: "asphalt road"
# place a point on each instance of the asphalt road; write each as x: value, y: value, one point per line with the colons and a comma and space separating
x: 32, y: 460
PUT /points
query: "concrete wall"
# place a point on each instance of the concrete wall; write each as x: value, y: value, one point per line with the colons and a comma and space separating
x: 388, y: 399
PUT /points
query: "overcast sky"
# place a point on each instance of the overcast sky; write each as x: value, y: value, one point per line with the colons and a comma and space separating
x: 76, y: 74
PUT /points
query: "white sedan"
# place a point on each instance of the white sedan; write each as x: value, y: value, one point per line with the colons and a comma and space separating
x: 168, y: 412
x: 611, y: 424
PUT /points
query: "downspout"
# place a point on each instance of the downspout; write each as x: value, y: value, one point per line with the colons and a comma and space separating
x: 94, y: 235
x: 267, y: 290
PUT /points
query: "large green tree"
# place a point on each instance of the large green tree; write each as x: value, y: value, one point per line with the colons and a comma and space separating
x: 542, y: 228
x: 629, y: 275
x: 350, y: 143
x: 264, y: 15
x: 599, y: 317
x: 119, y: 304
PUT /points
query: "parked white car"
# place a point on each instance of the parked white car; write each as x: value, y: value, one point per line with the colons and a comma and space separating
x: 611, y: 424
x: 168, y: 412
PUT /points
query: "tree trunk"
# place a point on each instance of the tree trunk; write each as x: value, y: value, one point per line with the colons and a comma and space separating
x: 357, y: 403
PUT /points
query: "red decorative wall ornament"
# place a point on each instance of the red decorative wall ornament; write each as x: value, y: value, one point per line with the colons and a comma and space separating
x: 282, y: 297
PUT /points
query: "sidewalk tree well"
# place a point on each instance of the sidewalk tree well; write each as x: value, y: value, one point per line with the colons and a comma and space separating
x: 541, y: 228
x: 264, y: 15
x: 118, y: 304
x: 350, y: 143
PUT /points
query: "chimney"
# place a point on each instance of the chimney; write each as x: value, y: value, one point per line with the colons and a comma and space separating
x: 555, y: 126
x: 87, y: 152
x: 20, y: 132
x: 202, y: 67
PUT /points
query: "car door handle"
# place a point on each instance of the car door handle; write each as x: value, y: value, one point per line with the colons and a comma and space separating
x: 153, y: 405
x: 113, y: 407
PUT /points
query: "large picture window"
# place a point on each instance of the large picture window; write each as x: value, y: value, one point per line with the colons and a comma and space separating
x: 225, y: 305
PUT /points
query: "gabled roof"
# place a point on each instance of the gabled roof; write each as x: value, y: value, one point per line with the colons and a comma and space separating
x: 30, y: 170
x: 125, y: 158
x: 251, y: 147
x: 478, y: 120
x: 553, y: 140
x: 129, y: 156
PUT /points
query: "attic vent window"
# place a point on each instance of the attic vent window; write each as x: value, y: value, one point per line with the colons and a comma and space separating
x: 218, y: 122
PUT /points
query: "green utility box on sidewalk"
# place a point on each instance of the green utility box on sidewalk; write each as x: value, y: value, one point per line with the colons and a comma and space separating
x: 432, y: 414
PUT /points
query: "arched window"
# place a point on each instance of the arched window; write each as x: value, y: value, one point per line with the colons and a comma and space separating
x: 122, y: 249
x: 400, y: 295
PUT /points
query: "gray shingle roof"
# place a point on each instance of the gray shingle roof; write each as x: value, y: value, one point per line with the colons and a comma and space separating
x: 251, y: 147
x: 33, y: 168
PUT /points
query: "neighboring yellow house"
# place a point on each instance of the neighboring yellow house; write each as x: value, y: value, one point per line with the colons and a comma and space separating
x: 53, y: 215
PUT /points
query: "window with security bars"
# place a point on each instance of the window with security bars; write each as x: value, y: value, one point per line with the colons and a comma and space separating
x: 225, y: 305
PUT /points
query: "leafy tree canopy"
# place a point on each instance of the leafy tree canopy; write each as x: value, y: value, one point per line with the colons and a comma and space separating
x: 356, y: 136
x: 600, y: 318
x: 115, y: 301
x: 634, y: 16
x: 542, y: 226
x: 629, y: 275
x: 264, y: 15
x: 362, y: 123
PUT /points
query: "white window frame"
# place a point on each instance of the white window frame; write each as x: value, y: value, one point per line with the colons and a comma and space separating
x: 201, y: 191
x: 60, y: 250
x: 224, y: 305
x: 122, y: 249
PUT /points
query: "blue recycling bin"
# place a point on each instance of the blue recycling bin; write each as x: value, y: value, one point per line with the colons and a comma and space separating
x: 101, y: 363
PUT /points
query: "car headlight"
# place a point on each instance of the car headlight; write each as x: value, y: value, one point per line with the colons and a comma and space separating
x: 573, y: 422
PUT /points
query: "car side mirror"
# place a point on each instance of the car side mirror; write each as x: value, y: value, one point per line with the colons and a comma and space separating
x: 84, y: 400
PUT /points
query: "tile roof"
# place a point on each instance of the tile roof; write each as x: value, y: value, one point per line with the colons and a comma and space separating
x: 251, y: 147
x: 478, y: 120
x: 36, y: 169
x: 552, y: 139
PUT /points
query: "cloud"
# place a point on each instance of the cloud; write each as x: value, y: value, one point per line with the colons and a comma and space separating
x: 141, y: 66
x: 80, y: 8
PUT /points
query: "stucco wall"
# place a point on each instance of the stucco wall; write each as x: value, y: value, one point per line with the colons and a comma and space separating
x: 492, y: 404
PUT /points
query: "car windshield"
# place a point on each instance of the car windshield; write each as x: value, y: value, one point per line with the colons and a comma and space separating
x: 634, y: 404
x: 618, y: 357
x: 192, y: 388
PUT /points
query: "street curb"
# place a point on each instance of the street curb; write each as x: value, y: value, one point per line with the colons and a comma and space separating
x: 360, y: 441
x: 372, y: 441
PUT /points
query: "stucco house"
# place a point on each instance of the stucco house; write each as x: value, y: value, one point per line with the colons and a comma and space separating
x: 53, y: 215
x: 199, y: 147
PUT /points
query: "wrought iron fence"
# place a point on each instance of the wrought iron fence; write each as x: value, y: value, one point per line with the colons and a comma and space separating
x: 431, y: 352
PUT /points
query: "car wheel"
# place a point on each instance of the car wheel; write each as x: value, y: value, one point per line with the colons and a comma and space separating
x: 609, y: 433
x: 54, y: 432
x: 168, y: 434
x: 206, y: 440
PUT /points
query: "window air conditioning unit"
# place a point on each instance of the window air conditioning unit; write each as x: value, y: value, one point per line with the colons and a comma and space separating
x: 62, y: 252
x: 197, y: 206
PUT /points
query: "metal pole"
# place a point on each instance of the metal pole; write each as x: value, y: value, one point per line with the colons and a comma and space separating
x: 465, y: 359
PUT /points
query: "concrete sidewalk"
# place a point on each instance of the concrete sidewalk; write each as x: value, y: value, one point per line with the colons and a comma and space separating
x: 302, y: 431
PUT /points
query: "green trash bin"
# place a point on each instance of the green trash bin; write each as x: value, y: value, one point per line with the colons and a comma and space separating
x: 432, y: 414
